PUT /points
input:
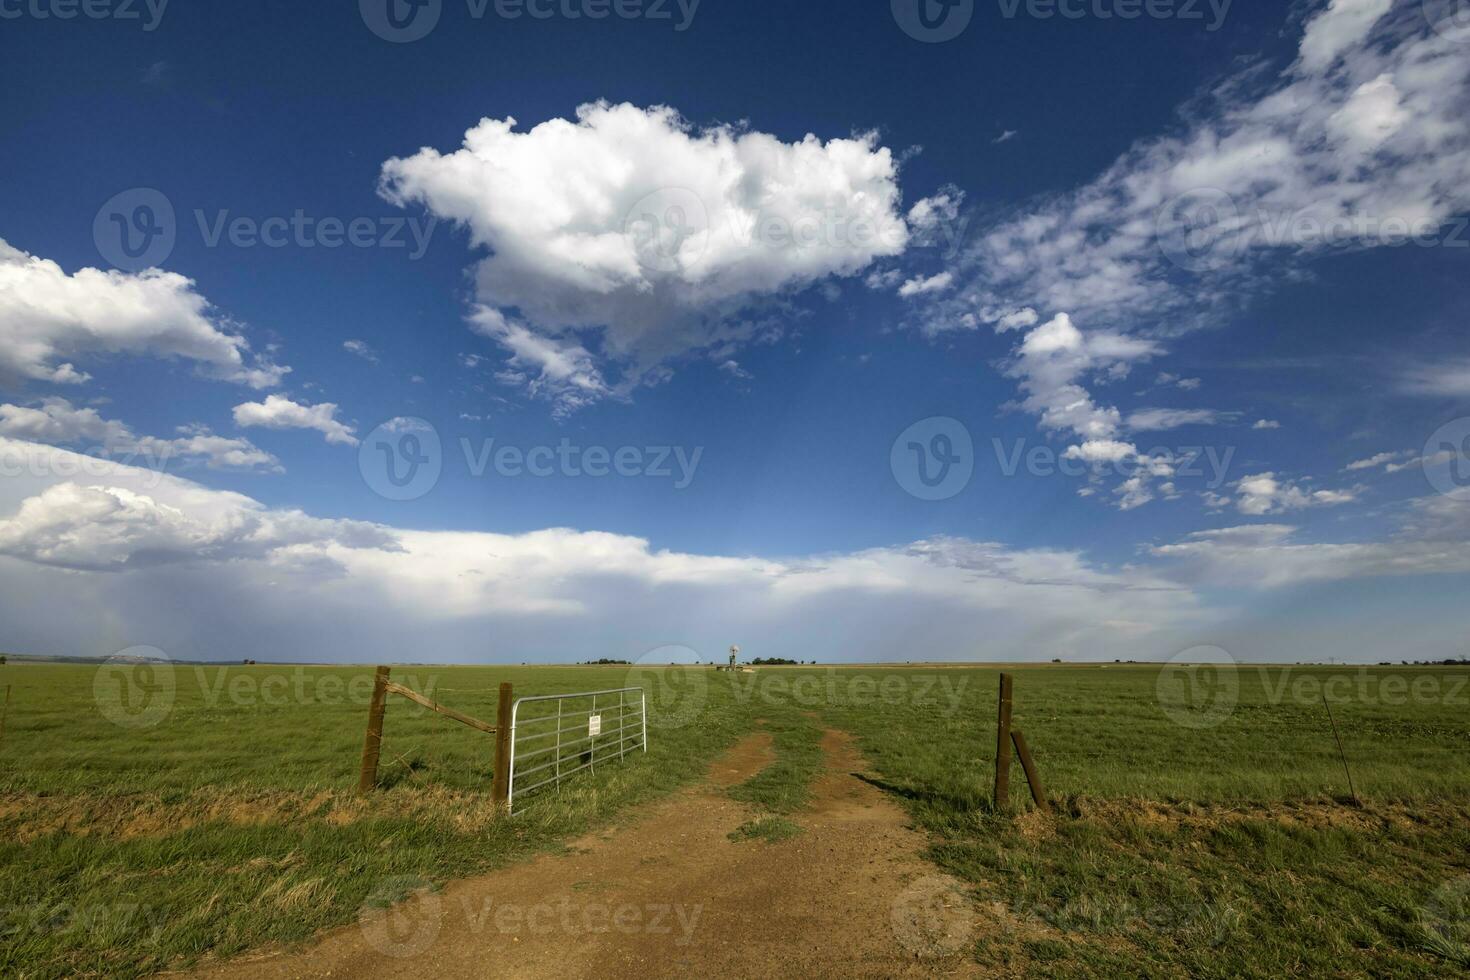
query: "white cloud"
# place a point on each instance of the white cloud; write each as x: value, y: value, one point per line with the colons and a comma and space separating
x: 1017, y: 320
x: 1363, y: 140
x: 280, y: 412
x: 1101, y: 451
x: 633, y: 224
x: 1266, y: 424
x: 1338, y: 29
x: 920, y: 286
x: 110, y: 528
x: 1162, y: 419
x: 556, y: 368
x: 1053, y: 359
x: 559, y: 591
x: 53, y: 320
x: 57, y: 422
x: 361, y: 349
x: 1424, y: 462
x: 1265, y: 493
x: 1374, y: 461
x: 1435, y: 539
x: 1444, y: 379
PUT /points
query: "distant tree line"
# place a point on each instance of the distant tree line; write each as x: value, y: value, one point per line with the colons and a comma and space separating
x: 607, y: 662
x: 775, y: 662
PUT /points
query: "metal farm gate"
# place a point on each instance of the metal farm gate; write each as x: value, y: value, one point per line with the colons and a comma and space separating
x: 553, y: 736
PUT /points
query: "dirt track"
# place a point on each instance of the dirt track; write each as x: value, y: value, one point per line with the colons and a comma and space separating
x: 667, y: 893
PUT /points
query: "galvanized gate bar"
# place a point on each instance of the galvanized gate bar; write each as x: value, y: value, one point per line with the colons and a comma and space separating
x: 573, y: 741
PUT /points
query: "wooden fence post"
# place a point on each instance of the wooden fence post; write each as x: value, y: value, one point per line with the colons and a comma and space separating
x: 500, y: 792
x: 373, y: 742
x: 1033, y: 778
x: 1003, y: 746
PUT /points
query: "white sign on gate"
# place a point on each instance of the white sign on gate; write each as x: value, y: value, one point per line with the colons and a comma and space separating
x: 594, y: 726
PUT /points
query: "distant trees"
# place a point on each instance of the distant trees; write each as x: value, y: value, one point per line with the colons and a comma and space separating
x: 607, y: 662
x: 773, y: 662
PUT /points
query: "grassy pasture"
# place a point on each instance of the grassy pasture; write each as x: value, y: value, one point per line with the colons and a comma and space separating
x: 1203, y: 836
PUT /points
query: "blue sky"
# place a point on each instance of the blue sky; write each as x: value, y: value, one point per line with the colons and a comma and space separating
x: 1165, y: 252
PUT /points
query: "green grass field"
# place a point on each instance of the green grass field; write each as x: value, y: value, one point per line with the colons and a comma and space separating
x: 1206, y: 837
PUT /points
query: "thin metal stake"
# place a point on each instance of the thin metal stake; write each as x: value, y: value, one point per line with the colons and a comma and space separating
x: 6, y: 713
x: 1340, y: 751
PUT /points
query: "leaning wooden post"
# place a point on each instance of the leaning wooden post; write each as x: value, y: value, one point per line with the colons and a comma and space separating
x: 373, y: 742
x: 500, y: 793
x: 1033, y: 778
x: 1003, y: 746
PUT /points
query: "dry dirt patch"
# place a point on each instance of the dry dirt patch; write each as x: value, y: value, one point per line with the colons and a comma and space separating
x: 669, y: 894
